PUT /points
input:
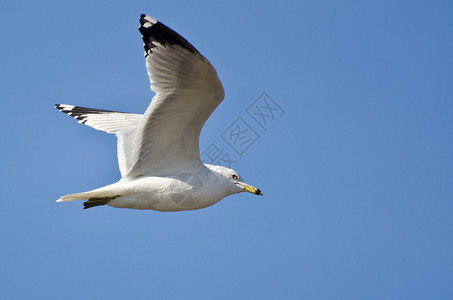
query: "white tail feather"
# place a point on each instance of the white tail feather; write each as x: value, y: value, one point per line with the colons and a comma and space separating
x: 74, y: 197
x: 103, y: 192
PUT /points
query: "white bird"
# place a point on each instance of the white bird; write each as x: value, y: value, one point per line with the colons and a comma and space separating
x: 158, y: 151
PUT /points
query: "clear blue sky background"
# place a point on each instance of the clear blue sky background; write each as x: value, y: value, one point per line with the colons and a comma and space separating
x: 357, y: 175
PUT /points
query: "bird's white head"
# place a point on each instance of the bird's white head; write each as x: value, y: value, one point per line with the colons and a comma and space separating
x: 232, y: 181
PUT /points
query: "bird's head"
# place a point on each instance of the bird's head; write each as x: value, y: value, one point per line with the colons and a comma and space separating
x: 233, y: 181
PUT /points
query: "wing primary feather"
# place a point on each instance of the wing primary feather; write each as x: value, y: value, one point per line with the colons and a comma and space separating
x: 154, y: 32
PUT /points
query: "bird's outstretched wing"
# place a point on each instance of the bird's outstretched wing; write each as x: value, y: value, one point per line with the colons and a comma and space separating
x: 187, y: 92
x: 123, y: 125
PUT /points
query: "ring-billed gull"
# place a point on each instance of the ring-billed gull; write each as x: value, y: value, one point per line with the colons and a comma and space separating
x: 158, y: 152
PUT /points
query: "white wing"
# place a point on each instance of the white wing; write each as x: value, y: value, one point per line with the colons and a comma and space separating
x: 187, y: 92
x: 124, y: 125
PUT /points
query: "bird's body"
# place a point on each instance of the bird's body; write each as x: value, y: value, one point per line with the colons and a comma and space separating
x: 191, y: 189
x: 158, y: 151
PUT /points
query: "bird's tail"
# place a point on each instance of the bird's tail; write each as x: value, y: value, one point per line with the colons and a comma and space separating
x: 95, y: 197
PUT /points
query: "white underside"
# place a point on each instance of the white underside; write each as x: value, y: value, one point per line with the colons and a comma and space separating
x: 185, y: 191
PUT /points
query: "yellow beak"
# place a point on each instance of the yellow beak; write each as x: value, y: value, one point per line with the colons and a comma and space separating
x: 250, y: 189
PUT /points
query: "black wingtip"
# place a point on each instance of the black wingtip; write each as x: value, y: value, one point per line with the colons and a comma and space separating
x: 155, y: 33
x: 142, y: 19
x: 59, y: 107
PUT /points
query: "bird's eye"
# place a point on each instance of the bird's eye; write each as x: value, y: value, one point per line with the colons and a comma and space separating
x: 234, y: 176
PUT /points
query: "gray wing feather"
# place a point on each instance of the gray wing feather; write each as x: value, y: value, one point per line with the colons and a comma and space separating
x: 187, y: 91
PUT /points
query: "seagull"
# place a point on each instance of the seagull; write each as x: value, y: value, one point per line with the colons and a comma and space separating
x: 158, y: 151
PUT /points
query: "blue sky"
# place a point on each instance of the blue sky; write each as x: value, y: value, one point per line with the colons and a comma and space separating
x: 357, y: 174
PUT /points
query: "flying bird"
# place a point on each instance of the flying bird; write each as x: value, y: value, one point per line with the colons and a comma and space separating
x: 158, y: 151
